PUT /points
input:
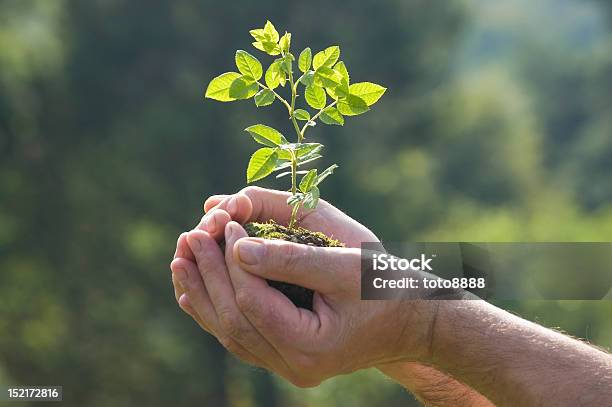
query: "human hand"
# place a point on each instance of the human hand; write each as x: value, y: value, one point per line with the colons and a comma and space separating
x: 427, y: 383
x: 259, y: 204
x: 265, y: 204
x: 261, y: 326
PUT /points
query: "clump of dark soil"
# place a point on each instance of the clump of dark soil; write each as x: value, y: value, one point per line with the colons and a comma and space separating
x: 300, y: 296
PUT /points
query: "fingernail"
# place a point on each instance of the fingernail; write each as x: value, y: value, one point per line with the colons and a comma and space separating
x: 181, y: 275
x: 250, y: 251
x: 232, y: 206
x: 194, y: 243
x: 210, y: 224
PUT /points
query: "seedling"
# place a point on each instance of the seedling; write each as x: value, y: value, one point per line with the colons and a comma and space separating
x: 323, y: 77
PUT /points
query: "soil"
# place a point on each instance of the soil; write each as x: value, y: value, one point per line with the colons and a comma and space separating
x: 300, y: 296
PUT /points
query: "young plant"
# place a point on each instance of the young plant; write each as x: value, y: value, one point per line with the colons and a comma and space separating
x: 322, y: 76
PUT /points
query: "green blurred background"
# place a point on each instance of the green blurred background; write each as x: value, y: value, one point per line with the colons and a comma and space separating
x: 496, y: 126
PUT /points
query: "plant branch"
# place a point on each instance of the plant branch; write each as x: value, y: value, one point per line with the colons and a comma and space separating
x: 293, y: 96
x: 300, y: 137
x: 316, y: 116
x: 279, y: 97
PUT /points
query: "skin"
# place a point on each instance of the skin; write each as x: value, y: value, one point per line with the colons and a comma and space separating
x: 460, y: 353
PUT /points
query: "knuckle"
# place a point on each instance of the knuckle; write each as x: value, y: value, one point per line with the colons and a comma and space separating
x: 252, y: 189
x: 231, y: 324
x: 245, y: 300
x: 289, y: 256
x: 186, y: 286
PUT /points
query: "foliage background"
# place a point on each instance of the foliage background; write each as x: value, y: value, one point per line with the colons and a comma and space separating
x: 496, y: 126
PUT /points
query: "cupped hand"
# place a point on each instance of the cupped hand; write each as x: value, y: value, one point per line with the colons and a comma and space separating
x: 342, y: 334
x: 255, y: 204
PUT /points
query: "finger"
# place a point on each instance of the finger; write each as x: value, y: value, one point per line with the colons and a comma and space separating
x: 186, y: 306
x: 254, y: 204
x: 238, y: 206
x: 271, y: 312
x: 240, y: 279
x: 178, y: 290
x: 323, y: 269
x: 182, y: 248
x: 183, y: 251
x: 233, y: 324
x: 264, y: 204
x: 187, y: 275
x: 214, y: 223
x: 213, y: 201
x: 196, y: 302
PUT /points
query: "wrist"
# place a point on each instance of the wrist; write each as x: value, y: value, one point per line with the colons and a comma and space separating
x: 417, y: 330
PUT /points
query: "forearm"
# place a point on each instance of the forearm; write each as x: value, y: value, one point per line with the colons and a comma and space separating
x: 515, y: 362
x: 432, y: 387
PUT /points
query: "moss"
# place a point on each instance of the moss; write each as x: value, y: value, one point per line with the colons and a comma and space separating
x: 273, y: 230
x: 300, y: 296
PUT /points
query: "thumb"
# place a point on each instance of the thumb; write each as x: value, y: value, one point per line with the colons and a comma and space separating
x: 323, y: 269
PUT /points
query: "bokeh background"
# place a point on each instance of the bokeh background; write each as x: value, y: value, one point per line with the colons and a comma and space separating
x: 496, y: 126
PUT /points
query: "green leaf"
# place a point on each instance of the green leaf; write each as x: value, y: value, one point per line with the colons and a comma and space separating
x: 327, y: 58
x: 271, y: 48
x: 341, y: 68
x: 303, y: 157
x: 285, y: 42
x: 303, y: 151
x: 340, y: 91
x: 266, y: 135
x: 265, y: 97
x: 301, y: 114
x: 308, y: 78
x: 286, y: 63
x: 308, y: 149
x: 248, y: 65
x: 327, y: 77
x: 311, y: 199
x: 305, y: 59
x: 266, y: 39
x: 219, y: 87
x: 368, y: 91
x: 273, y: 75
x: 282, y: 164
x: 300, y: 149
x: 315, y: 96
x: 331, y: 115
x: 261, y: 164
x: 329, y: 171
x: 258, y: 34
x: 243, y: 88
x: 270, y: 32
x: 308, y: 181
x: 352, y: 106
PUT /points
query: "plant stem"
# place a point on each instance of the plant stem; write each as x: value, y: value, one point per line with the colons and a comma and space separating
x: 316, y: 116
x: 300, y: 137
x: 293, y: 189
x: 292, y: 108
x: 279, y: 97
